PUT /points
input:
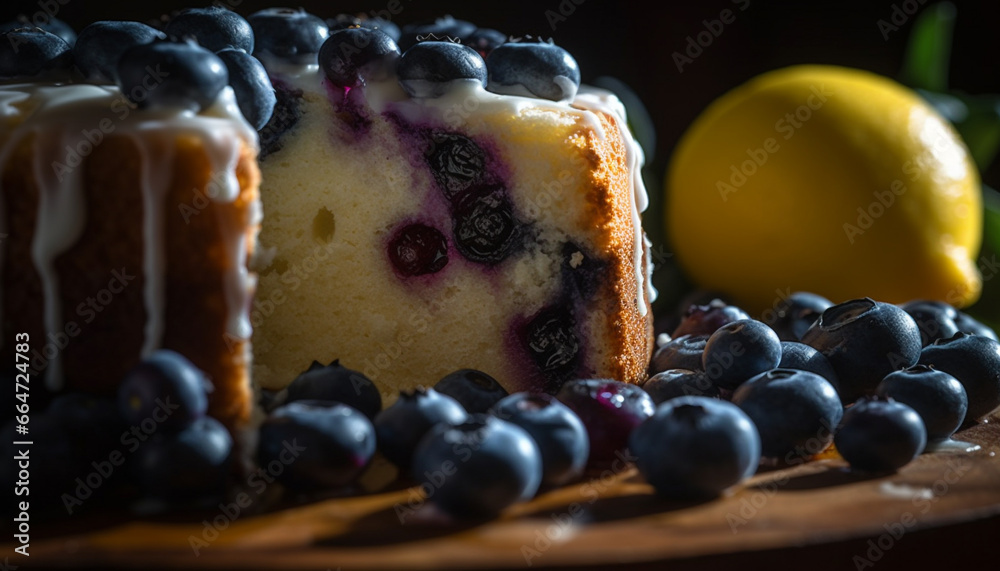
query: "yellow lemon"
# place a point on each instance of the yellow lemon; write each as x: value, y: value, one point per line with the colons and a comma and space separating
x: 830, y: 180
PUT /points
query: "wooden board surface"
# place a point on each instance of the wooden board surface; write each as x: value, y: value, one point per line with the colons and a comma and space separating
x: 601, y: 521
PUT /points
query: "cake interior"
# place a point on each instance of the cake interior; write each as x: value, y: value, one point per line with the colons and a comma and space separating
x: 545, y: 277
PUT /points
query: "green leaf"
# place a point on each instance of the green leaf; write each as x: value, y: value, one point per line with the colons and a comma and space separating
x: 926, y: 62
x: 987, y: 309
x: 981, y: 129
x: 991, y: 219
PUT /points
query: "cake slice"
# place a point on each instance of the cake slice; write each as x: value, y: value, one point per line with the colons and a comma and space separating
x: 126, y: 230
x: 417, y: 223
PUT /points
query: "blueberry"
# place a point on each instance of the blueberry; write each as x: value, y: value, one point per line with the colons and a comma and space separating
x: 968, y: 324
x: 706, y: 319
x: 100, y: 46
x: 192, y: 464
x: 796, y: 314
x: 55, y: 461
x: 610, y: 410
x: 557, y: 430
x: 165, y: 387
x: 540, y: 69
x: 214, y: 27
x: 696, y: 447
x: 740, y: 350
x: 935, y: 319
x: 684, y: 352
x: 291, y: 35
x: 251, y: 85
x: 316, y: 444
x: 418, y: 249
x: 975, y: 361
x: 485, y: 228
x: 442, y: 29
x: 478, y: 468
x: 938, y: 398
x: 485, y: 40
x: 880, y: 435
x: 184, y: 75
x: 92, y: 423
x: 456, y: 162
x: 552, y: 344
x: 864, y: 340
x: 800, y: 356
x: 795, y: 412
x: 286, y: 115
x: 673, y: 383
x: 355, y: 56
x: 344, y: 21
x: 400, y: 427
x: 49, y: 24
x: 28, y: 52
x: 340, y: 384
x: 474, y: 390
x: 429, y: 68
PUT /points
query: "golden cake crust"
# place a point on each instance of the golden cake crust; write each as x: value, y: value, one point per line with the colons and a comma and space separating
x: 105, y: 340
x: 629, y: 333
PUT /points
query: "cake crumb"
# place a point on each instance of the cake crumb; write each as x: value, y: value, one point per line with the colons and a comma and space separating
x: 576, y: 259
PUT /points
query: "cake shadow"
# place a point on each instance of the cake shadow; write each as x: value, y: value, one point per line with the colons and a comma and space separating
x: 608, y: 509
x: 400, y: 524
x: 837, y: 476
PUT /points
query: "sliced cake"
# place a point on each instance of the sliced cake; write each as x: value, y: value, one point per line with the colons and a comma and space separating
x: 433, y: 211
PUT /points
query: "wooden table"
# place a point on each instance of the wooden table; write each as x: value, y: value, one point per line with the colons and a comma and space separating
x: 942, y: 507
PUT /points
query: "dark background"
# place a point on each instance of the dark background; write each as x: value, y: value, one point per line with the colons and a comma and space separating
x: 635, y: 43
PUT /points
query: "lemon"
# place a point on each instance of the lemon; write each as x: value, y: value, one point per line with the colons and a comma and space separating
x: 830, y: 180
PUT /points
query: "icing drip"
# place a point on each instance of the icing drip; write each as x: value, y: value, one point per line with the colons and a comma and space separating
x: 61, y: 116
x: 155, y: 178
x: 61, y: 216
x: 606, y: 102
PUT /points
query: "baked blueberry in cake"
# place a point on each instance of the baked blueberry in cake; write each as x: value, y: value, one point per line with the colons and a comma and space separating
x: 451, y: 201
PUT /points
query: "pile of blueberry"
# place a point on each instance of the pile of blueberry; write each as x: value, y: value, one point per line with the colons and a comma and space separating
x: 428, y: 57
x: 185, y: 65
x: 907, y: 375
x: 199, y: 51
x: 155, y: 442
x: 727, y: 393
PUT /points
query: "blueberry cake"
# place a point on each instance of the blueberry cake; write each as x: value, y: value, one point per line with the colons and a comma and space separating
x: 460, y: 204
x: 433, y: 198
x: 129, y: 211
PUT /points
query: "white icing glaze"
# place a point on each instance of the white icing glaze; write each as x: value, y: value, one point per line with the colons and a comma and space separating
x: 61, y: 115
